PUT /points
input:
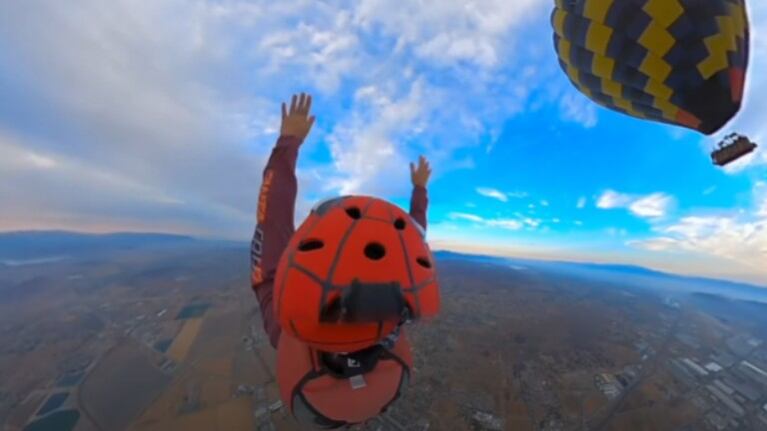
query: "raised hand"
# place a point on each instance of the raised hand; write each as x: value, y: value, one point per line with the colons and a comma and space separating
x: 420, y: 175
x: 297, y: 122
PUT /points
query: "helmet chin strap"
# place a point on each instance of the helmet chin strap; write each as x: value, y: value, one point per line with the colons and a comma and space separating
x: 388, y: 341
x: 354, y: 365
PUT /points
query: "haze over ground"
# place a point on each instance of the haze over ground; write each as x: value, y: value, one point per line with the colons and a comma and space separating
x: 158, y: 116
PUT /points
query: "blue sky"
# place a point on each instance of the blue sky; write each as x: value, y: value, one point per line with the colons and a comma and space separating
x: 158, y: 116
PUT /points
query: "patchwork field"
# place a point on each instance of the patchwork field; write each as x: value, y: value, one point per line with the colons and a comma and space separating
x: 122, y: 385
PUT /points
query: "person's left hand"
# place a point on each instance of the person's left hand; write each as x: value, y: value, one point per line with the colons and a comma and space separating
x: 420, y: 175
x: 297, y: 122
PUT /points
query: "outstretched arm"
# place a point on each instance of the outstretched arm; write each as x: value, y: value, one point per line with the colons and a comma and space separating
x: 419, y: 201
x: 276, y: 208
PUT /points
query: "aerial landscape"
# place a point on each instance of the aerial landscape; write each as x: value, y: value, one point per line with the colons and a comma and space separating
x: 223, y: 214
x: 162, y: 332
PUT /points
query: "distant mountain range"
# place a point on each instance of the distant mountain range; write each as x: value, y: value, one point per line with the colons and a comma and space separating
x: 47, y: 245
x: 29, y: 247
x: 625, y: 274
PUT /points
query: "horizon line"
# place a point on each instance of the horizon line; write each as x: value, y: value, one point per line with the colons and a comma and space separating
x: 435, y: 246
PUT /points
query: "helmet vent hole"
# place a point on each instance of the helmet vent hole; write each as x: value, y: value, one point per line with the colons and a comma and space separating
x: 424, y: 262
x: 375, y: 251
x: 400, y: 224
x: 310, y: 245
x: 354, y: 213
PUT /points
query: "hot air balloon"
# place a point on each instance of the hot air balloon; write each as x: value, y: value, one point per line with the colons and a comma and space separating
x: 681, y: 62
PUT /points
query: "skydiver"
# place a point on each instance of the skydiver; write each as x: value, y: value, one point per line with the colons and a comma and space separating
x: 328, y: 388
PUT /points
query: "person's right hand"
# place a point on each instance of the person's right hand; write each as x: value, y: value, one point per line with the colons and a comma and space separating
x: 420, y: 175
x: 297, y: 122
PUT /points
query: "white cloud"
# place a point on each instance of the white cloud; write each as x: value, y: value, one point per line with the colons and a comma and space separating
x: 465, y: 216
x: 130, y: 94
x: 544, y: 203
x: 184, y: 97
x: 738, y: 237
x: 81, y: 196
x: 493, y: 194
x: 366, y: 149
x: 502, y: 223
x: 448, y: 32
x: 532, y: 223
x: 581, y: 202
x: 611, y: 199
x: 327, y: 51
x: 651, y: 206
x: 40, y: 161
x: 509, y: 224
x: 728, y: 237
x: 578, y: 109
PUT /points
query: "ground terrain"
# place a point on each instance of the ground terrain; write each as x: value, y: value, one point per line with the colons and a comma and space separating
x: 167, y: 336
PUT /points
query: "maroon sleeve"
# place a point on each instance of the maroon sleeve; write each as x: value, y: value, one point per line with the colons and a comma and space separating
x: 419, y: 201
x: 276, y: 209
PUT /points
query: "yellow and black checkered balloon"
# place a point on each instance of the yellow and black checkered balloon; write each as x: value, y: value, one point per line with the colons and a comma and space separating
x: 681, y: 62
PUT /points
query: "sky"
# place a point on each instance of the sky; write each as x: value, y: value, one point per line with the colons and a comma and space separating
x: 159, y: 115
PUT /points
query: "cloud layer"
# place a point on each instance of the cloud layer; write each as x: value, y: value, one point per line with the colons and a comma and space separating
x: 179, y: 99
x: 738, y: 238
x: 650, y: 206
x: 512, y: 224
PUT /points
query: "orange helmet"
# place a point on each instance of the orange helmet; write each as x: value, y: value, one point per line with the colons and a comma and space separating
x: 352, y: 273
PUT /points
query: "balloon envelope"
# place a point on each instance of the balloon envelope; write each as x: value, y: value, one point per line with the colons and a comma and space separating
x: 681, y: 62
